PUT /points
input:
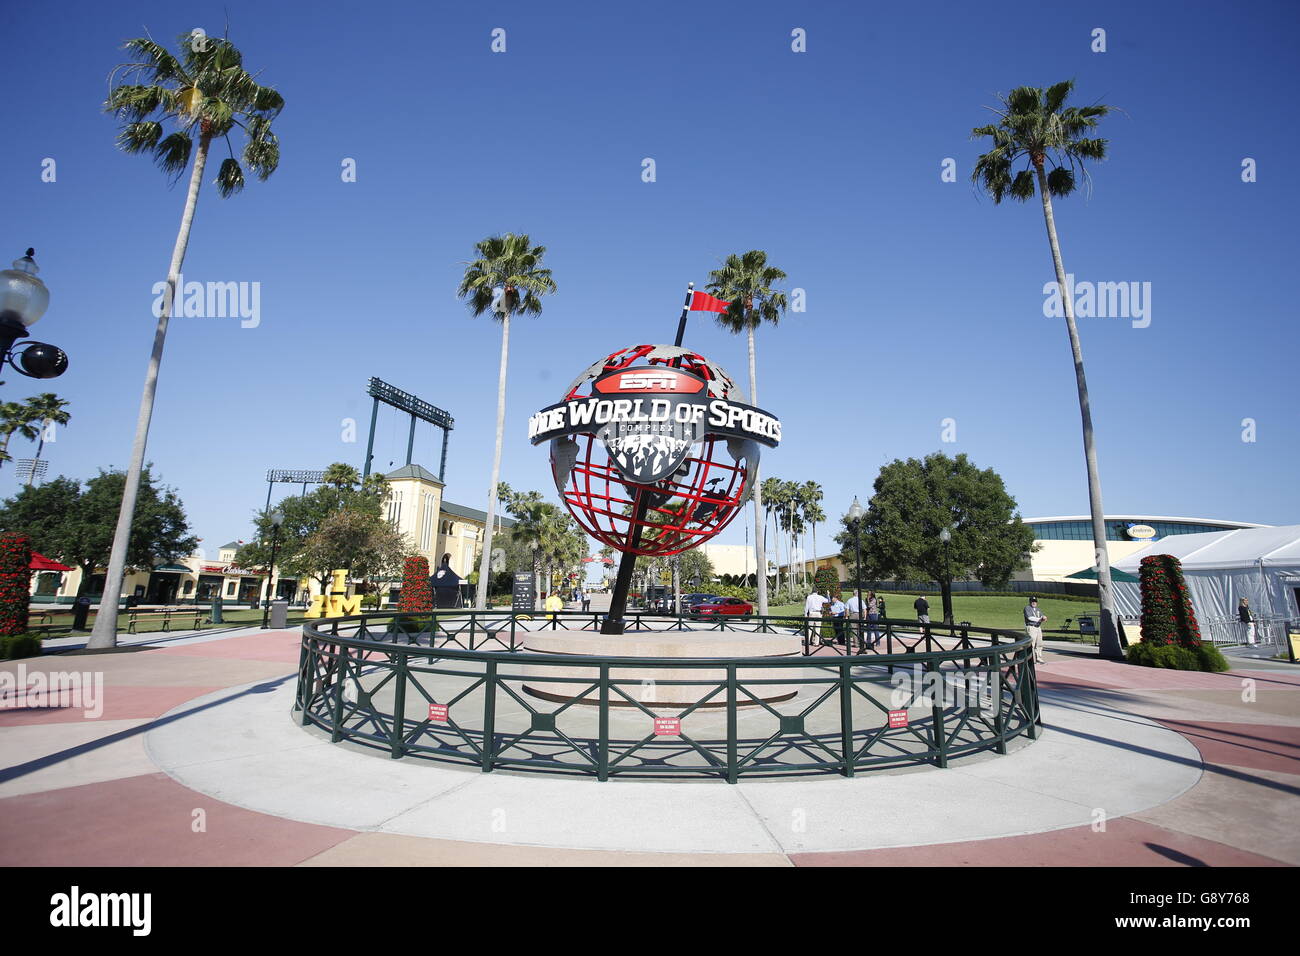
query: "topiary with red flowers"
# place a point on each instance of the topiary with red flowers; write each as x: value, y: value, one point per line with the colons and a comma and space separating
x: 416, y: 596
x: 15, y: 582
x: 1170, y: 635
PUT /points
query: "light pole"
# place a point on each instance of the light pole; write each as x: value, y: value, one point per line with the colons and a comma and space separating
x: 855, y: 515
x: 23, y: 300
x: 945, y: 535
x: 277, y: 519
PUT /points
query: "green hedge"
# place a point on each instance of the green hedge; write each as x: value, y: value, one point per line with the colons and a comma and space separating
x: 18, y: 646
x: 1205, y: 657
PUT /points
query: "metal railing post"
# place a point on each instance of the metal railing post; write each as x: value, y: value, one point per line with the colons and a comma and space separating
x: 602, y: 744
x: 397, y: 734
x: 936, y: 714
x: 733, y: 771
x: 846, y: 717
x: 489, y: 716
x: 340, y: 682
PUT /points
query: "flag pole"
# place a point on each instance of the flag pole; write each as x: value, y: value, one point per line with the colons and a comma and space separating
x: 613, y: 623
x: 681, y: 323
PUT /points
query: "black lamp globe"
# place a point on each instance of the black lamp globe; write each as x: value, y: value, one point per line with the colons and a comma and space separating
x: 42, y: 360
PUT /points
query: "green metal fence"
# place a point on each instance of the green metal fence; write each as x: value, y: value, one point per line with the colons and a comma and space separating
x: 450, y: 686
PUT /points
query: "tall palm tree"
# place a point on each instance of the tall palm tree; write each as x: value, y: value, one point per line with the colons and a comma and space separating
x: 746, y: 281
x: 47, y: 409
x: 771, y: 489
x: 507, y: 277
x: 16, y: 418
x: 1036, y: 127
x: 205, y: 92
x: 811, y: 497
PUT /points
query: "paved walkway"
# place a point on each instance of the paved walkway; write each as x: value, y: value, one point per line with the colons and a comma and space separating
x: 189, y: 757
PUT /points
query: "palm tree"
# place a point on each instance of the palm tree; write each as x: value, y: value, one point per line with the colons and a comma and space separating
x: 746, y: 282
x: 16, y: 417
x: 507, y: 277
x: 1037, y: 127
x: 205, y: 92
x: 771, y: 491
x: 48, y: 409
x: 811, y: 497
x: 341, y: 476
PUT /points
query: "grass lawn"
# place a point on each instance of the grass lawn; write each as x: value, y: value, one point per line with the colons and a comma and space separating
x: 982, y: 610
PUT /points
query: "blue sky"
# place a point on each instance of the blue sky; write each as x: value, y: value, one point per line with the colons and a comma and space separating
x: 924, y: 302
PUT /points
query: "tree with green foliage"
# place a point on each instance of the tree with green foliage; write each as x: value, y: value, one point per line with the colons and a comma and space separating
x: 76, y: 525
x: 47, y: 410
x: 506, y: 278
x: 915, y: 500
x: 305, y: 516
x: 1036, y: 127
x: 750, y: 285
x: 16, y: 418
x: 205, y: 92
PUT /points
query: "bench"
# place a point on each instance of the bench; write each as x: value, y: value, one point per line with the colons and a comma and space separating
x: 166, y: 615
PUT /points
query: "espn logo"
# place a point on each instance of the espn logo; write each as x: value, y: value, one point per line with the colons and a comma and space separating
x: 645, y: 381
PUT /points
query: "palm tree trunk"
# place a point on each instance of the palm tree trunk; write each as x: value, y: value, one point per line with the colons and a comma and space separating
x: 104, y: 634
x: 1108, y: 643
x: 760, y: 522
x: 485, y: 560
x: 39, y: 448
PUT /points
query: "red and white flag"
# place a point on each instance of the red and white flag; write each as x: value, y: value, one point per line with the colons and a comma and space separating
x: 703, y: 302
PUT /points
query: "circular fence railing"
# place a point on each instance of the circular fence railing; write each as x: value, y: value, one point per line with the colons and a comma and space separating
x: 453, y: 686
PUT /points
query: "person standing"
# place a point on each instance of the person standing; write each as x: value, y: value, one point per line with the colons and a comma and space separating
x: 1247, y: 617
x: 857, y: 613
x: 585, y: 598
x: 813, y: 606
x: 922, y: 609
x: 875, y: 608
x: 838, y: 610
x: 552, y: 604
x: 1034, y: 619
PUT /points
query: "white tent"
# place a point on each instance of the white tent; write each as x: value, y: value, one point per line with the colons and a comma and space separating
x: 1222, y: 567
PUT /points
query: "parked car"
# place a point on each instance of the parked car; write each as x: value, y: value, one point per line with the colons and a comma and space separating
x: 692, y: 601
x: 718, y: 606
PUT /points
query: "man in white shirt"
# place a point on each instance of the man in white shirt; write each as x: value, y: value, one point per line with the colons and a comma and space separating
x: 857, y: 613
x: 812, y: 609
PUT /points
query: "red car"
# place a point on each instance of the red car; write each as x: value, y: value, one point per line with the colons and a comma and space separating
x: 723, y: 606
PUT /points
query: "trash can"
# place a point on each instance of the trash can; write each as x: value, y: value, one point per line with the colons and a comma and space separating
x: 216, y: 610
x: 279, y: 615
x: 80, y: 611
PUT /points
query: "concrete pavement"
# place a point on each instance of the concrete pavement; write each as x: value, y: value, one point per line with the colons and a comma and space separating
x: 192, y: 759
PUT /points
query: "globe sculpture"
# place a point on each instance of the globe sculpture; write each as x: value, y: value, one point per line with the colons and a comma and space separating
x: 652, y: 451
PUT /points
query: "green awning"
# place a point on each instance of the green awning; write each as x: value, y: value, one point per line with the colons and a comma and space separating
x: 1090, y: 574
x: 173, y: 567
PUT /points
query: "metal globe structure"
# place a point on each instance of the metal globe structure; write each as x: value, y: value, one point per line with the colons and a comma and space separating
x: 692, y: 503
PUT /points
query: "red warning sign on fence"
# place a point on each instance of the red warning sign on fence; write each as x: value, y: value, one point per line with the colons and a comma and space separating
x: 897, y: 718
x: 438, y: 712
x: 668, y: 726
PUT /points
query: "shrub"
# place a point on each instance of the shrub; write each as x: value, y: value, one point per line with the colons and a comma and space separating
x: 827, y: 581
x: 15, y: 581
x: 17, y: 646
x: 1171, y: 636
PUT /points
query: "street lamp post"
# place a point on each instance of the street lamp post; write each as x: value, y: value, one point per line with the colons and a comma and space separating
x: 23, y: 300
x: 855, y: 515
x: 945, y: 536
x: 277, y: 519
